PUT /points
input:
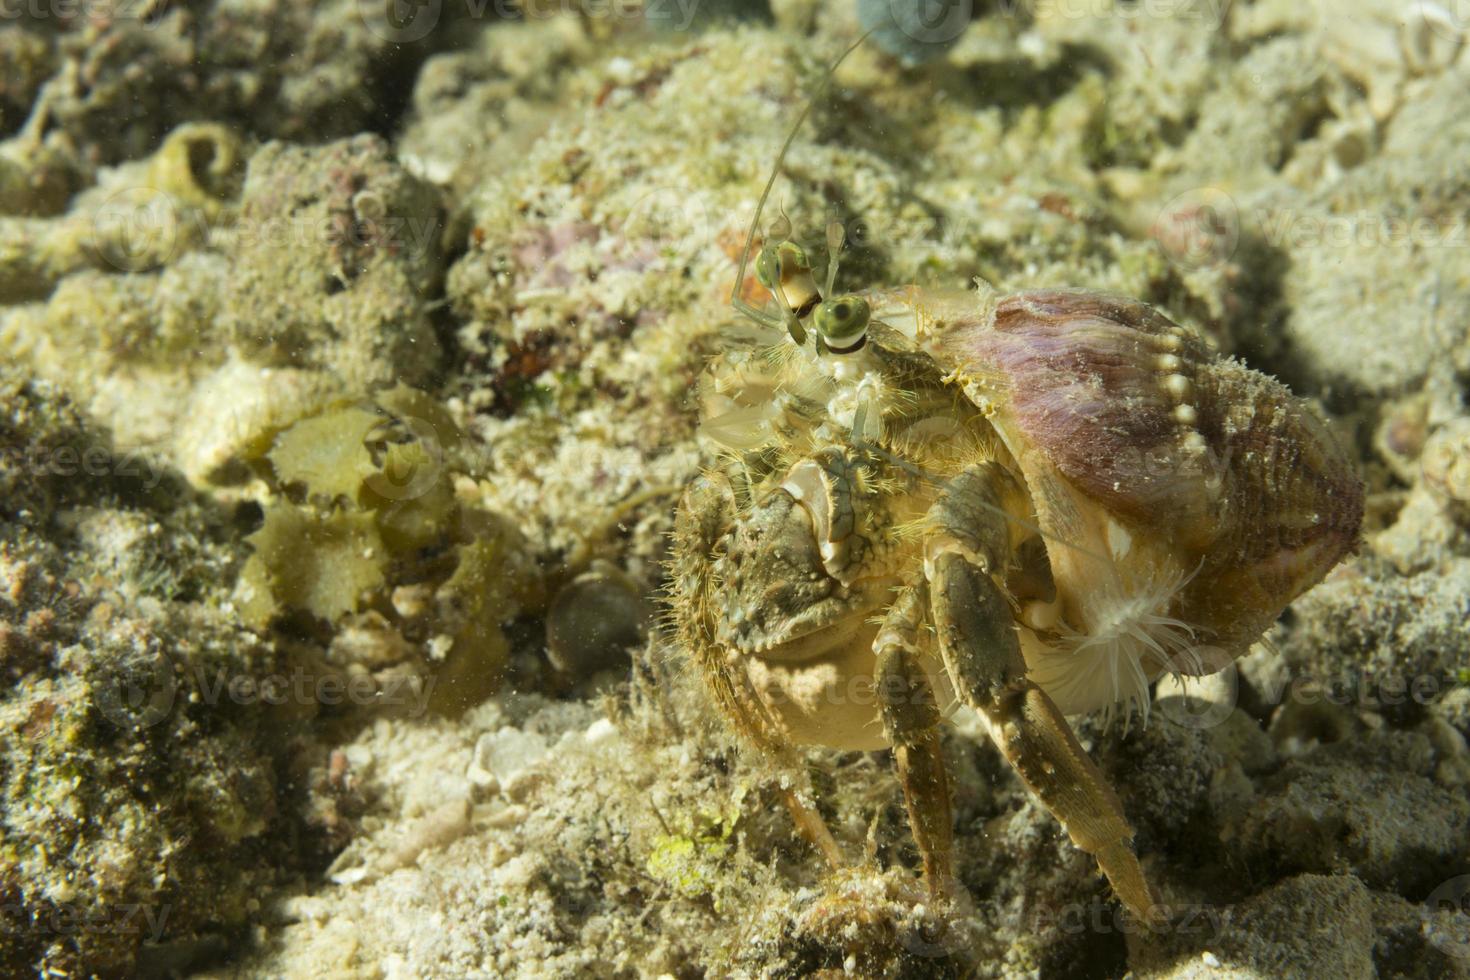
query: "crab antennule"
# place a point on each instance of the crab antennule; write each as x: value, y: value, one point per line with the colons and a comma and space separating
x: 835, y: 237
x: 760, y: 204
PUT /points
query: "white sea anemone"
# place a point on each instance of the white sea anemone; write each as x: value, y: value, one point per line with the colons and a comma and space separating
x: 1129, y: 639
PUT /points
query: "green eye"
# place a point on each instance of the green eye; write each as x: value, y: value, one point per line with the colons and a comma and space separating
x: 767, y: 269
x: 843, y: 323
x: 775, y: 264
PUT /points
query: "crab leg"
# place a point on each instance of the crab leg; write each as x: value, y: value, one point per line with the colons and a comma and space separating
x: 712, y: 497
x: 911, y: 721
x: 982, y: 655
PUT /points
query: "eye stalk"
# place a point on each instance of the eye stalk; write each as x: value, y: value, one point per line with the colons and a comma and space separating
x: 789, y: 281
x: 842, y: 323
x: 778, y: 264
x: 785, y: 271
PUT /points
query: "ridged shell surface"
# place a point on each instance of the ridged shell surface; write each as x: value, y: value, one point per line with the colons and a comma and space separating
x: 1127, y: 426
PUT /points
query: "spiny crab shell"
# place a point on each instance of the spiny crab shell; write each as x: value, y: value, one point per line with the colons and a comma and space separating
x: 1160, y: 472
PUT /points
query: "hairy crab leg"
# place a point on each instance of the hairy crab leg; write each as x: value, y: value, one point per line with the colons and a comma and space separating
x: 982, y: 655
x: 911, y: 720
x: 713, y: 497
x: 706, y: 512
x: 814, y: 828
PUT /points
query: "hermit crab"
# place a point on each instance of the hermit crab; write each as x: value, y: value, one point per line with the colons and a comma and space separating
x: 1032, y: 504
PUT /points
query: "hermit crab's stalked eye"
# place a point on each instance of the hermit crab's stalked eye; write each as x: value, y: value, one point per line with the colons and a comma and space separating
x: 786, y: 272
x: 780, y: 264
x: 768, y: 268
x: 843, y: 323
x: 784, y: 269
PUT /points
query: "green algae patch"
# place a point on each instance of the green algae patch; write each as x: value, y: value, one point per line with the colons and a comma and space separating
x: 693, y: 861
x: 409, y: 520
x: 328, y: 453
x: 323, y: 564
x: 483, y: 595
x: 374, y: 533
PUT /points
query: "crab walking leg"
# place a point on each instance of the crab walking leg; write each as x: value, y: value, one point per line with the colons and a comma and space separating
x: 712, y: 497
x: 982, y: 655
x: 814, y: 828
x: 911, y: 722
x: 705, y: 514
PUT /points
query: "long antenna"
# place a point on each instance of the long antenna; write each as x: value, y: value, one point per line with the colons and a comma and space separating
x: 780, y: 159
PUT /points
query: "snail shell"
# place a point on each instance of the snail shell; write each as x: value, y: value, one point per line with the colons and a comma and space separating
x: 1153, y: 463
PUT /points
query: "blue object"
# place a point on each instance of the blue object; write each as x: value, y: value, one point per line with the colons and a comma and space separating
x: 915, y: 31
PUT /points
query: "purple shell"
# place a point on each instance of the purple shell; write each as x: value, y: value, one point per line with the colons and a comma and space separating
x: 1127, y: 411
